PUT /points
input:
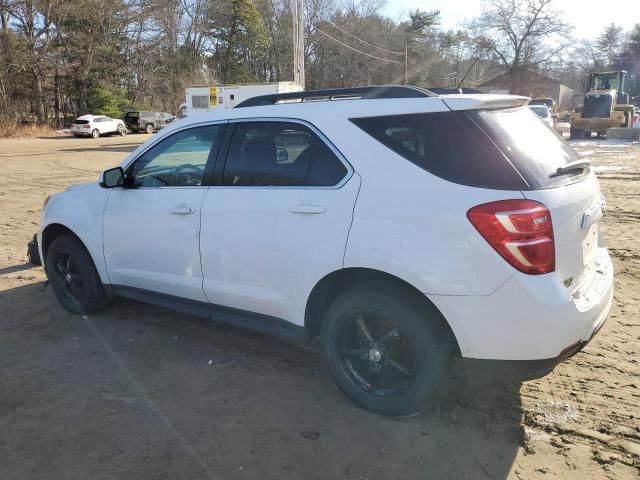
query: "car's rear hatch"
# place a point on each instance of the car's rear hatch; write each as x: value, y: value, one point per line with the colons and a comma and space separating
x: 131, y: 119
x: 572, y: 194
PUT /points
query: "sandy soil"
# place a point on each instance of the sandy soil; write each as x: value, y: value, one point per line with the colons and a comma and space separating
x: 140, y: 392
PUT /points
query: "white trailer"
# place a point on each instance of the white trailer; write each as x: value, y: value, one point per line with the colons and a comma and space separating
x: 205, y: 98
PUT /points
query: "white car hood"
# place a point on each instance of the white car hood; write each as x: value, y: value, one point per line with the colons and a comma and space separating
x: 80, y: 186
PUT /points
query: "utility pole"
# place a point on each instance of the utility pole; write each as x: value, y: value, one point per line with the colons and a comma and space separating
x: 297, y: 14
x: 406, y: 63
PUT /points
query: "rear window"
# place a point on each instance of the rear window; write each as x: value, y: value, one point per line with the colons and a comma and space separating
x: 80, y: 122
x: 131, y: 115
x: 450, y: 145
x: 535, y: 149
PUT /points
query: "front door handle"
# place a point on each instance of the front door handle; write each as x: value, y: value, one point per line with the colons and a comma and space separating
x: 307, y: 209
x: 182, y: 210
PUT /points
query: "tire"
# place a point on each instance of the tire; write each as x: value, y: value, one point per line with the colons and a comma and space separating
x: 575, y: 133
x: 73, y: 276
x: 122, y: 131
x: 149, y: 129
x: 369, y: 372
x: 95, y: 133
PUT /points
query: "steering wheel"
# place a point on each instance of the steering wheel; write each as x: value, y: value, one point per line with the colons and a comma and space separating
x: 188, y: 175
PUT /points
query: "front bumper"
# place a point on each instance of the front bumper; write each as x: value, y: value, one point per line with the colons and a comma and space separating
x: 33, y: 251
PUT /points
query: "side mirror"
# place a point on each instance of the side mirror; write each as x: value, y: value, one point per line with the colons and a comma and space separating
x: 114, y: 177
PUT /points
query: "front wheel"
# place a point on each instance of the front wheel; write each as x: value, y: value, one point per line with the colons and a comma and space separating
x: 386, y: 351
x: 149, y: 129
x: 95, y: 133
x: 73, y: 276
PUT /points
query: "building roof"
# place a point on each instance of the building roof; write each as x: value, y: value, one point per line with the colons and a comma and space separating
x: 522, y: 75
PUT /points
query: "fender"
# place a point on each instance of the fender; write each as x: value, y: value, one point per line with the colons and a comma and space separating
x: 399, y: 229
x: 80, y: 209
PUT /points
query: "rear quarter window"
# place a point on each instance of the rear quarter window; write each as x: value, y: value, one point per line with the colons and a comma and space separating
x: 449, y: 145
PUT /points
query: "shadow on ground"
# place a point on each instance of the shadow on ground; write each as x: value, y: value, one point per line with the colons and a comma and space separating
x: 120, y: 148
x: 141, y: 392
x: 16, y: 268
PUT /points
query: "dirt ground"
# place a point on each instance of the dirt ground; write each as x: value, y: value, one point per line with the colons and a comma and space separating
x: 139, y: 392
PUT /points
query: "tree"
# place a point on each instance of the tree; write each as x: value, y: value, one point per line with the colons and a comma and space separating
x: 240, y: 40
x: 35, y: 22
x: 608, y: 43
x: 520, y: 33
x: 629, y: 60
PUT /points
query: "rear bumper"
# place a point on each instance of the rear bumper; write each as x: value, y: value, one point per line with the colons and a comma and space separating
x: 481, y: 371
x: 531, y: 318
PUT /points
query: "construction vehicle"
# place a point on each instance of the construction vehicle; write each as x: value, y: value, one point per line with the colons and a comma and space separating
x: 605, y: 105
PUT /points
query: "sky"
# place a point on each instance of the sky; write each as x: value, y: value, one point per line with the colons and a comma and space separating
x: 589, y: 17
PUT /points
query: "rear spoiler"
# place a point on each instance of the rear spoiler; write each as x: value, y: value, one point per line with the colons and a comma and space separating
x: 484, y: 102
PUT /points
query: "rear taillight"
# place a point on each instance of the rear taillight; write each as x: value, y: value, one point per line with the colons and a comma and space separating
x: 520, y: 231
x: 87, y: 126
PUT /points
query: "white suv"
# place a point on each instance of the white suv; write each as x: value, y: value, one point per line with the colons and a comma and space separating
x: 404, y: 229
x: 96, y: 125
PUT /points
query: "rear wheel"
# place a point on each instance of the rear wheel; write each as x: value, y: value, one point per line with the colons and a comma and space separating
x: 95, y: 133
x: 385, y: 350
x: 149, y: 128
x: 122, y: 131
x: 575, y: 133
x: 73, y: 276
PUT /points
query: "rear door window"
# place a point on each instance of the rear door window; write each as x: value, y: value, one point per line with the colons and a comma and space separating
x: 449, y: 145
x: 326, y: 169
x: 271, y: 154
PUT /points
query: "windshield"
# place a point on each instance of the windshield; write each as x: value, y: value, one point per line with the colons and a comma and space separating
x: 606, y: 81
x: 531, y: 145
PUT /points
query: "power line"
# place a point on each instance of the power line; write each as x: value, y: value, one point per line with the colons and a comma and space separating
x: 450, y: 76
x: 355, y: 49
x: 363, y: 41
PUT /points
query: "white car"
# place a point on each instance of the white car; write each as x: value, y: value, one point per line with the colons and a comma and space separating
x: 544, y: 113
x: 96, y: 125
x: 402, y: 228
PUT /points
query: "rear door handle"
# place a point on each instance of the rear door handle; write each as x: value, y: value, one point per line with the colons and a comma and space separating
x: 182, y: 210
x: 307, y: 209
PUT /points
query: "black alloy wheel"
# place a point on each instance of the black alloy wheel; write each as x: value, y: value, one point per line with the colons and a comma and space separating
x: 375, y: 356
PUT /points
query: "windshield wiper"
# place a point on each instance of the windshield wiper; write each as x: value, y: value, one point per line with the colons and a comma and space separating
x: 571, y: 167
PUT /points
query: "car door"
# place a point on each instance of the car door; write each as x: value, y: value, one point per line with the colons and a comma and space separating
x: 278, y: 220
x: 112, y: 124
x: 98, y: 123
x: 152, y: 224
x: 159, y: 121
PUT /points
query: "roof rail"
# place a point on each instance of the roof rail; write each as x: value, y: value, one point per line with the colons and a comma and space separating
x: 453, y: 90
x: 384, y: 91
